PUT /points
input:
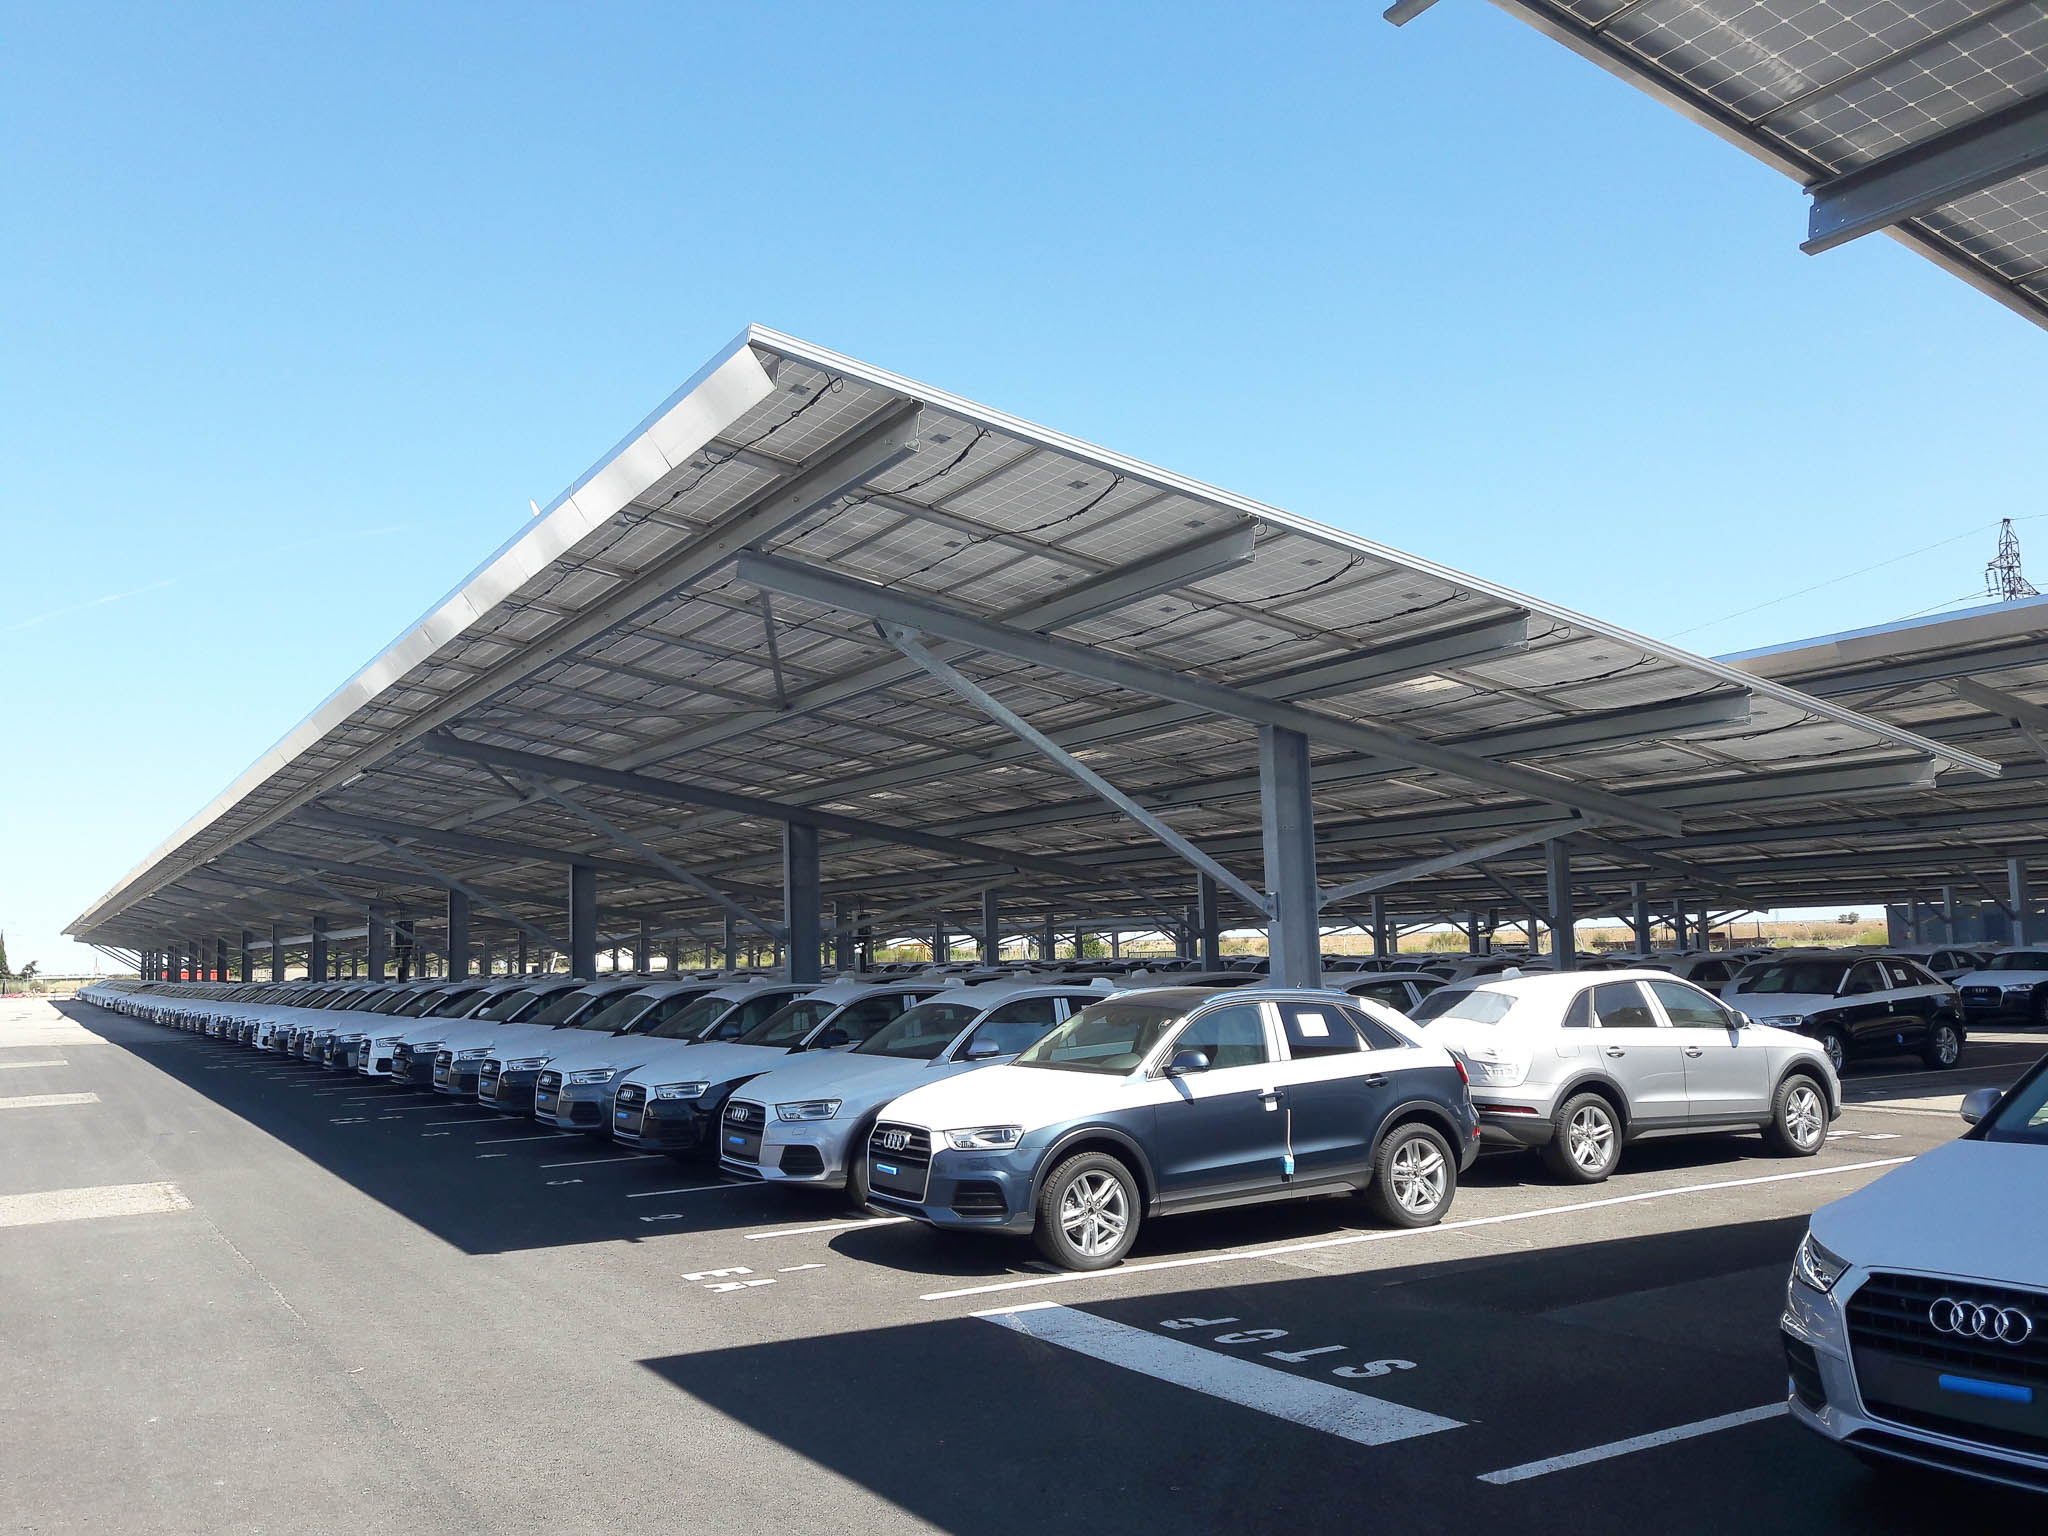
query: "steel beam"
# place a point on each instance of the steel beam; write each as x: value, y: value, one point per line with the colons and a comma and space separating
x: 316, y: 953
x: 277, y: 952
x: 2030, y: 720
x: 248, y: 957
x: 2018, y: 901
x: 991, y: 927
x: 1563, y: 922
x: 379, y: 941
x: 1198, y: 559
x: 458, y: 934
x: 1208, y: 925
x: 909, y: 644
x: 1456, y: 859
x: 811, y: 584
x: 539, y: 767
x: 1955, y: 163
x: 801, y: 923
x: 449, y: 883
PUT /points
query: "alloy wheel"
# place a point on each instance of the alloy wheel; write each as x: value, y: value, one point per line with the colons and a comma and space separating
x: 1590, y: 1137
x: 1946, y: 1047
x: 1805, y: 1119
x: 1094, y: 1213
x: 1418, y: 1176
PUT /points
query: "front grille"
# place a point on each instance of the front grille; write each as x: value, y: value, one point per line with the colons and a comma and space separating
x: 549, y: 1082
x: 1803, y: 1366
x: 978, y: 1197
x: 741, y: 1138
x: 899, y: 1160
x: 1982, y: 997
x: 629, y: 1106
x: 488, y: 1074
x: 1888, y: 1313
x: 802, y: 1162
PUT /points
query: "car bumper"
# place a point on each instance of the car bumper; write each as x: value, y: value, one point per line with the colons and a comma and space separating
x: 791, y: 1152
x: 978, y: 1191
x: 1825, y: 1396
x: 1508, y: 1121
x: 581, y: 1108
x: 664, y: 1125
x: 511, y: 1092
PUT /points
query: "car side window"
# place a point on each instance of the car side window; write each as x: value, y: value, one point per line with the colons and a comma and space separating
x: 1377, y: 1036
x: 752, y: 1012
x: 1580, y: 1014
x: 1394, y: 994
x: 1317, y: 1029
x: 1914, y: 974
x: 1621, y: 1005
x: 1231, y: 1036
x: 1713, y: 974
x: 1688, y: 1008
x: 1863, y: 978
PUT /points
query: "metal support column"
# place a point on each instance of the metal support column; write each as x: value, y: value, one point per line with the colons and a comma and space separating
x: 1948, y: 914
x: 519, y: 956
x: 2016, y: 898
x: 220, y: 957
x: 800, y: 900
x: 458, y: 936
x: 991, y: 928
x: 316, y: 958
x: 643, y: 947
x: 1382, y: 947
x: 1290, y: 848
x: 380, y: 941
x: 247, y: 971
x: 1048, y: 938
x: 942, y: 943
x: 1208, y: 925
x: 1557, y: 857
x: 732, y: 942
x: 277, y: 952
x: 845, y: 948
x: 583, y: 922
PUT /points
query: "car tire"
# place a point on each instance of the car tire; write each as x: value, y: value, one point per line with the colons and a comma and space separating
x: 2037, y: 1010
x: 857, y: 1165
x: 1414, y: 1177
x: 1837, y: 1048
x: 1585, y: 1143
x: 1798, y: 1125
x: 1088, y: 1212
x: 1944, y: 1045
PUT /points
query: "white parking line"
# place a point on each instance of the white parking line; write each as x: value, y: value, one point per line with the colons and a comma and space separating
x: 590, y: 1162
x: 835, y: 1226
x: 687, y: 1189
x: 86, y: 1204
x: 505, y: 1141
x: 1337, y: 1411
x: 51, y: 1062
x: 46, y: 1100
x: 1391, y: 1234
x: 1529, y: 1469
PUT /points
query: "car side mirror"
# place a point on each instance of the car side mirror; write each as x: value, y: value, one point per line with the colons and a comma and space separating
x: 726, y: 1032
x: 981, y: 1050
x: 1978, y: 1104
x: 1187, y: 1061
x: 832, y: 1039
x: 1743, y: 1020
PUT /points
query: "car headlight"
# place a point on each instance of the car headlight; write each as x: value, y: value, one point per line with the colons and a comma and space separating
x: 346, y: 1039
x: 474, y: 1053
x: 808, y: 1109
x: 985, y: 1137
x: 680, y: 1090
x: 1784, y: 1020
x: 1814, y: 1266
x: 389, y: 1039
x: 594, y: 1077
x: 2019, y: 991
x: 526, y: 1063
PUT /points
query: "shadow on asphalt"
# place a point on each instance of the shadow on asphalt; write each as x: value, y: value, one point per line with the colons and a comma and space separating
x: 971, y: 1427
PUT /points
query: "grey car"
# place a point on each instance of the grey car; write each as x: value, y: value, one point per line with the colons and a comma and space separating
x: 1577, y: 1065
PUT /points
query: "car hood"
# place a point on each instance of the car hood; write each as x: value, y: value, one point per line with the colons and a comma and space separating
x: 714, y: 1061
x: 1764, y: 1005
x: 858, y: 1082
x: 1026, y: 1096
x: 1970, y: 1208
x: 2000, y: 979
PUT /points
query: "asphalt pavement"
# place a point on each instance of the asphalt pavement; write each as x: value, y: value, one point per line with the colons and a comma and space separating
x: 245, y: 1295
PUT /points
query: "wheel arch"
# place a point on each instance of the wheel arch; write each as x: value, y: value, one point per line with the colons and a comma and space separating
x: 1428, y: 1111
x: 1098, y: 1138
x: 1799, y: 1066
x: 1606, y: 1087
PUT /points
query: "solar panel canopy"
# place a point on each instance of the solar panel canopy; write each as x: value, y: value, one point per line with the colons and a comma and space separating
x: 1926, y: 119
x: 808, y: 590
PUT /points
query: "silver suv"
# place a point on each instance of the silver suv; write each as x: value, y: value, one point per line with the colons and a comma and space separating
x: 1577, y: 1065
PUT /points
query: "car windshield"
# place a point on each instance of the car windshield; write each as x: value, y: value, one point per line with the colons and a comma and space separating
x: 1471, y: 1005
x: 1818, y: 977
x: 504, y: 1007
x: 2018, y: 960
x: 418, y: 1004
x: 391, y: 1002
x: 695, y: 1019
x: 789, y: 1024
x: 618, y: 1013
x: 563, y: 1009
x: 920, y: 1033
x: 1108, y: 1037
x: 448, y: 1004
x: 2024, y: 1115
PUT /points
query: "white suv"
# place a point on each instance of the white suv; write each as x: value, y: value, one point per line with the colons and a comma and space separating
x: 1916, y: 1318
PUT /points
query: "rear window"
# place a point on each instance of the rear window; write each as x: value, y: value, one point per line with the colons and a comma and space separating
x: 1474, y: 1005
x: 1822, y: 977
x: 2018, y: 960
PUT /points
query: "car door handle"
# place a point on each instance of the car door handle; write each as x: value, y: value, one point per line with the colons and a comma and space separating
x: 1376, y: 1080
x: 1693, y: 1050
x: 1615, y: 1050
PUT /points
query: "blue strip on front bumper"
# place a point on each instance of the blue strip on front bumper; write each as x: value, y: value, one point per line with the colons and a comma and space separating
x: 1999, y: 1391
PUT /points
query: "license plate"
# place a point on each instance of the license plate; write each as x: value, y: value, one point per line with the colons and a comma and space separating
x: 736, y: 1141
x: 888, y: 1168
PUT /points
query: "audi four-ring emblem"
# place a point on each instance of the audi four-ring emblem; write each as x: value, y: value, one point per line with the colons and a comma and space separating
x: 895, y: 1141
x: 1979, y: 1320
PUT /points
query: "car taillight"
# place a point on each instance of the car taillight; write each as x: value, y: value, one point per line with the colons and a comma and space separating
x: 1463, y: 1076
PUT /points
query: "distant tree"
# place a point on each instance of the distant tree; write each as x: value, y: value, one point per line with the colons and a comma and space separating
x: 1850, y: 919
x: 28, y: 972
x: 5, y: 974
x: 1445, y: 943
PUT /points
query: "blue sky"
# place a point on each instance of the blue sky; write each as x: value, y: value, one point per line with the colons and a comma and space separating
x: 298, y: 309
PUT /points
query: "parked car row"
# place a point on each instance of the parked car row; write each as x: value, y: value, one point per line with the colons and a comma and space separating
x: 1067, y: 1108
